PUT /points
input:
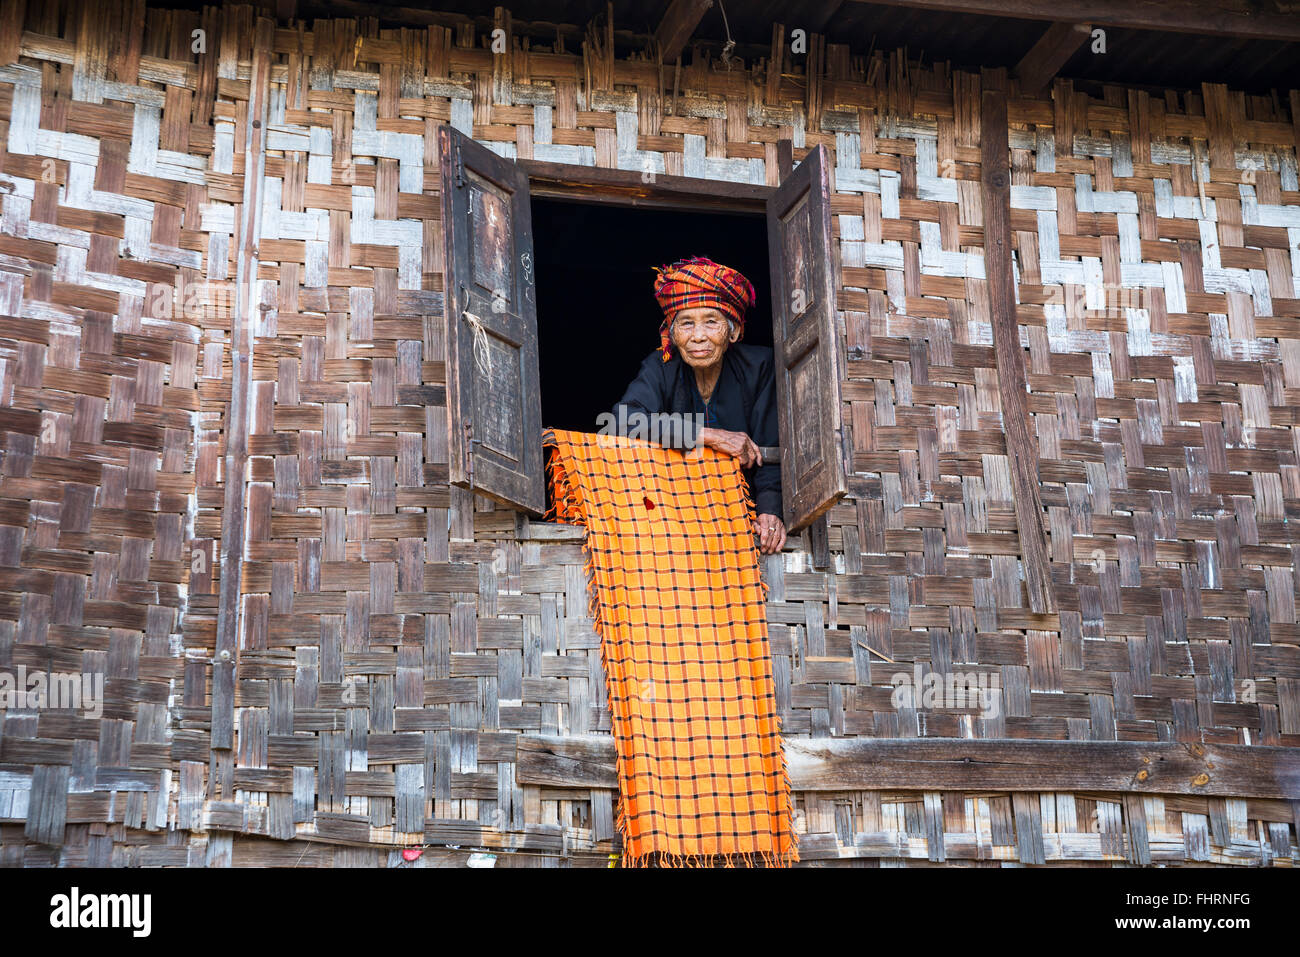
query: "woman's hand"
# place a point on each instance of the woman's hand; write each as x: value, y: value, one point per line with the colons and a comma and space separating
x: 771, y: 534
x: 737, y: 444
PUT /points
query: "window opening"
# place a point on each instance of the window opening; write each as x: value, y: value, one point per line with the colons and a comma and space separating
x: 597, y: 317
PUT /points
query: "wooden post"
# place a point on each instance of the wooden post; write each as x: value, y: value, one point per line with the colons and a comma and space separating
x: 1022, y: 450
x: 241, y: 355
x: 12, y: 15
x: 784, y: 158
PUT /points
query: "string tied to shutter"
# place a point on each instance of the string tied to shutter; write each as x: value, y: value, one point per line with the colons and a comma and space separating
x: 482, y: 352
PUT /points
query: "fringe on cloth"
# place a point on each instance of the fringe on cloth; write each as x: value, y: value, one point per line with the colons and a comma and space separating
x: 605, y: 501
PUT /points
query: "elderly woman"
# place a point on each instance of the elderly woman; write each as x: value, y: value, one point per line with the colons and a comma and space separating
x: 725, y: 389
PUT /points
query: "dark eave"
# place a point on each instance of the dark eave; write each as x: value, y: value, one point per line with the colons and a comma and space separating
x: 1251, y: 45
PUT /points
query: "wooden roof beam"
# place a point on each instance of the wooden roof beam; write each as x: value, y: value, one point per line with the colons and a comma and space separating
x: 1045, y: 59
x: 679, y: 22
x: 1228, y: 18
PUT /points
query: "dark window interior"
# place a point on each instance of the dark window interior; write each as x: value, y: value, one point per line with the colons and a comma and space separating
x: 597, y: 317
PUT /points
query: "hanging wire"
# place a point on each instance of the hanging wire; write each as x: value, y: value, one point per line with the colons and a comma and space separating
x: 730, y: 44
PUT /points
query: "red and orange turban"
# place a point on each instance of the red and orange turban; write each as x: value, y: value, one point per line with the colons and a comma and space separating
x: 691, y: 283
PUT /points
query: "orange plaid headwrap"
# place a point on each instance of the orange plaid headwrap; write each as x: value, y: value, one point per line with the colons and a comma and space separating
x: 690, y: 283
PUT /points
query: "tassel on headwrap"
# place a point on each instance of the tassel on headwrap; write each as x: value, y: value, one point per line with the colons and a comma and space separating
x: 691, y: 283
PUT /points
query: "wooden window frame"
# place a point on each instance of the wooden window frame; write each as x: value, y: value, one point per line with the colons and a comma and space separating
x: 630, y: 188
x: 592, y: 184
x: 618, y: 187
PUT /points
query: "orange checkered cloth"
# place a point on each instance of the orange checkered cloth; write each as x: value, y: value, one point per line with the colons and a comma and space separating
x: 680, y: 608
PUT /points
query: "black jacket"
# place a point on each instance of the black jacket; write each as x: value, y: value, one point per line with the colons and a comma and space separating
x: 744, y: 400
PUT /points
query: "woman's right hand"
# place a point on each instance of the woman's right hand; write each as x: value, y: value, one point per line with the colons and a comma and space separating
x: 737, y: 444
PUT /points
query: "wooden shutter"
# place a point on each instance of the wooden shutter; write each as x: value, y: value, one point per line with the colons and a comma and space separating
x: 806, y: 342
x: 493, y: 386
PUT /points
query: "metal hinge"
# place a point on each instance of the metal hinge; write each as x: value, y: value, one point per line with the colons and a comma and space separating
x: 470, y: 442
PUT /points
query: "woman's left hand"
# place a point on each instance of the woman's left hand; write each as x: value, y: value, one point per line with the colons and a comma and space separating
x: 771, y: 534
x: 736, y: 444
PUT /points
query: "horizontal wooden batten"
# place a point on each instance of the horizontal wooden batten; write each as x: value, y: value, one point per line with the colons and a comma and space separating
x: 597, y: 185
x: 951, y: 764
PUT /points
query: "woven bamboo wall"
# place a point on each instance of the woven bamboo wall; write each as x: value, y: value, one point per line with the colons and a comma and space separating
x: 398, y: 638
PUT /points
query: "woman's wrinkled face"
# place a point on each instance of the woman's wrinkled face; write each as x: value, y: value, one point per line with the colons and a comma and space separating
x: 702, y: 335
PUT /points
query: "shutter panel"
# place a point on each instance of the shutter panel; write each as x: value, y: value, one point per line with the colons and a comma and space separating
x: 806, y: 342
x: 493, y: 385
